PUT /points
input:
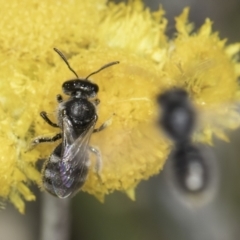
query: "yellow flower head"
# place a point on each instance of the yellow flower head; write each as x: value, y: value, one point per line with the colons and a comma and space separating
x: 91, y: 34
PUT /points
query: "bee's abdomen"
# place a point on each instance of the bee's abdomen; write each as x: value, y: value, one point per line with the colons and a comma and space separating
x: 50, y: 173
x: 58, y: 182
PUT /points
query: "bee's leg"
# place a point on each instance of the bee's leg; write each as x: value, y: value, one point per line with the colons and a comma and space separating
x: 104, y: 125
x: 96, y: 101
x: 98, y: 165
x: 47, y: 120
x: 38, y: 140
x: 59, y: 98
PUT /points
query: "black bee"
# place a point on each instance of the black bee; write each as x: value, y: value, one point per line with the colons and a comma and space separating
x: 65, y: 172
x: 178, y: 119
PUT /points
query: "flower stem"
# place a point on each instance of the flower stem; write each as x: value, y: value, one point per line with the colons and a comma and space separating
x: 55, y: 218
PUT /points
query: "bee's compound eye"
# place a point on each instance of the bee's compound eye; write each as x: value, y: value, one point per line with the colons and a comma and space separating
x: 95, y: 88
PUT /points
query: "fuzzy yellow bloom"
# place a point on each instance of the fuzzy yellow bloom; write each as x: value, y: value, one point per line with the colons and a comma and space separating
x: 91, y: 34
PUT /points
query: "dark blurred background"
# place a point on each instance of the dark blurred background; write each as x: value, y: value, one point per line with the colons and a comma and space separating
x: 159, y: 212
x: 224, y: 14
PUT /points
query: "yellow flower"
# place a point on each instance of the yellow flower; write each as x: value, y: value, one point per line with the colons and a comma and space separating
x: 91, y: 34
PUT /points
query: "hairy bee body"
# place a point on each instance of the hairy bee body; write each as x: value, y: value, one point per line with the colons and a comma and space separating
x: 51, y: 174
x: 66, y: 170
x: 190, y: 171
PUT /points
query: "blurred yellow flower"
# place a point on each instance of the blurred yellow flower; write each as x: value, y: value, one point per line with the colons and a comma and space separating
x: 91, y: 34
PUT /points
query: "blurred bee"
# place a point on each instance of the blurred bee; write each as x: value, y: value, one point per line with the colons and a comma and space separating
x: 65, y: 172
x: 189, y: 167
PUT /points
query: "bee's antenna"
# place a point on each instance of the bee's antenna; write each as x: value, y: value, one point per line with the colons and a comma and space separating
x: 65, y: 60
x: 103, y: 67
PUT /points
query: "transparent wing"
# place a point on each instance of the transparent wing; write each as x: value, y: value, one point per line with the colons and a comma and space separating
x: 73, y: 167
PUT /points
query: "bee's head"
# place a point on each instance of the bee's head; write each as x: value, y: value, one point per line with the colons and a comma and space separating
x: 174, y: 96
x: 80, y: 88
